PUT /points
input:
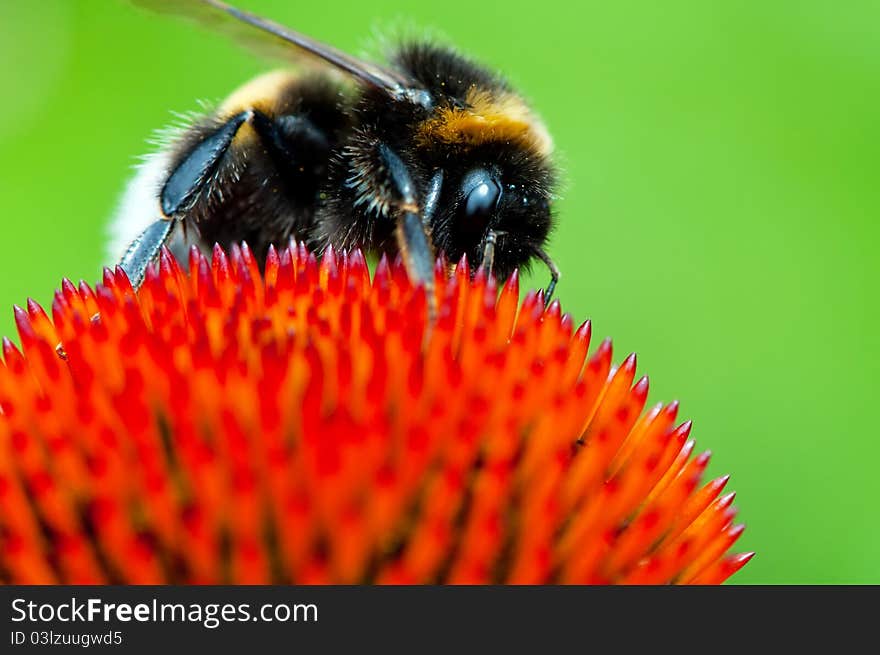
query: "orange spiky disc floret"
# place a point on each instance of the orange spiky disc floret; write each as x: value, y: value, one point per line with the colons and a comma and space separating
x: 225, y: 426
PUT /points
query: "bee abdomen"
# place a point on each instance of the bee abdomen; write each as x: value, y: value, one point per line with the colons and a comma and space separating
x: 254, y: 171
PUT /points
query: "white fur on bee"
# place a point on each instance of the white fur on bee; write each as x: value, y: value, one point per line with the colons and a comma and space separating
x: 140, y: 203
x: 139, y: 207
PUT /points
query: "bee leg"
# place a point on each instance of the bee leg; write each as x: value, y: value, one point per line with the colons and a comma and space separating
x: 432, y: 198
x: 412, y: 233
x: 418, y: 255
x: 195, y: 171
x: 145, y: 249
x: 284, y: 139
x: 488, y: 260
x: 554, y: 273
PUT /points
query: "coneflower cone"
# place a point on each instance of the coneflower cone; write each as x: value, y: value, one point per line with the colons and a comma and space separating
x: 305, y: 425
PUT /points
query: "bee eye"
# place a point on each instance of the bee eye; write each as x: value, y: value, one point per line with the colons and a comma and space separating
x: 481, y: 192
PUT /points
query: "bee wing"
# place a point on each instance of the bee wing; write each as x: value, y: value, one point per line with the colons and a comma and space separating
x: 268, y: 37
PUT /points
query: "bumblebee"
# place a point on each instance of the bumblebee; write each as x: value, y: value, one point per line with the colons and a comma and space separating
x: 429, y: 153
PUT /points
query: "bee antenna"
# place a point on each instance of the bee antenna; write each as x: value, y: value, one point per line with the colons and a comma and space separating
x: 555, y: 274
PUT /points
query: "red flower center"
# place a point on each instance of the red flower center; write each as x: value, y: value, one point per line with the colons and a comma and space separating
x: 305, y: 424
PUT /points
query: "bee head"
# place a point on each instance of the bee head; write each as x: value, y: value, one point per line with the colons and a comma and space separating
x: 495, y: 155
x: 480, y: 161
x: 500, y: 188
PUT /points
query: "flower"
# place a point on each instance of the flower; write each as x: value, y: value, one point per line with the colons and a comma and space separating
x: 308, y: 424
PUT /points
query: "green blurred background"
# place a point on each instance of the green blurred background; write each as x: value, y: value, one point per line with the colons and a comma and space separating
x: 720, y: 215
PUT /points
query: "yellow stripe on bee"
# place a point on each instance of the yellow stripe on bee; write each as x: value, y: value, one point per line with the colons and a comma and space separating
x: 488, y: 117
x: 260, y: 93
